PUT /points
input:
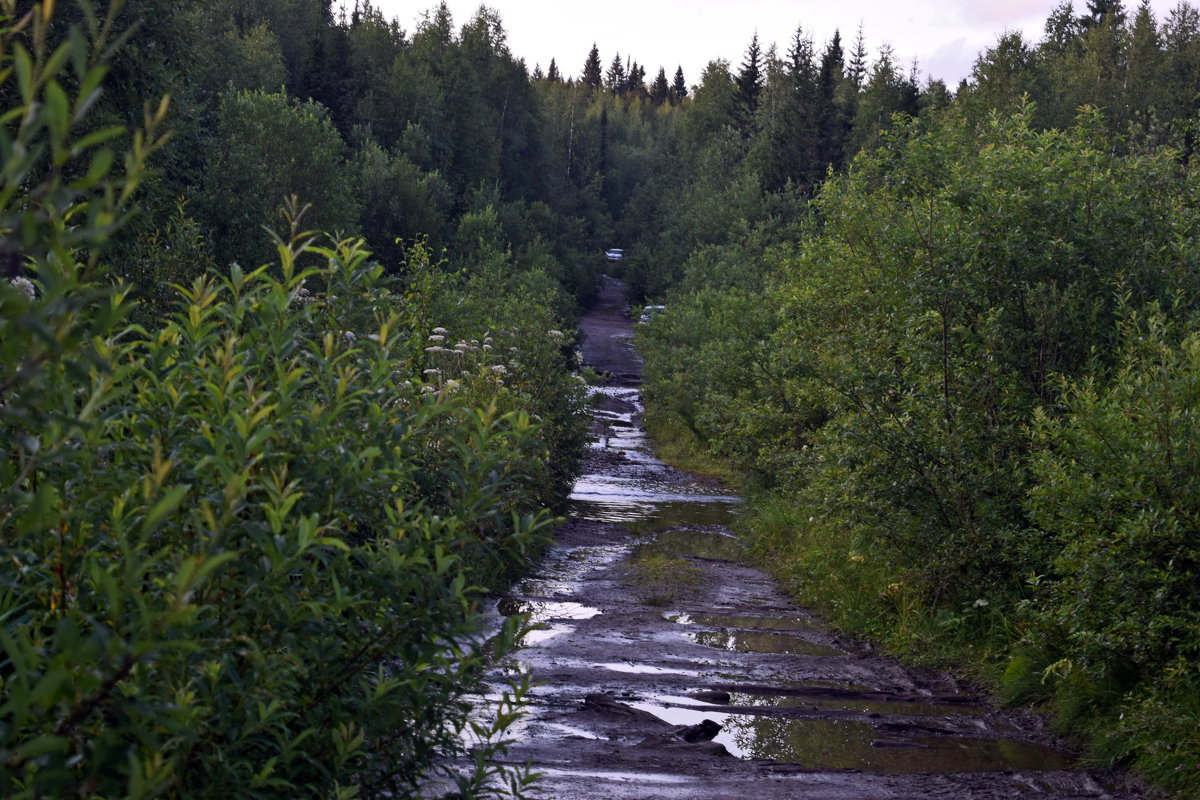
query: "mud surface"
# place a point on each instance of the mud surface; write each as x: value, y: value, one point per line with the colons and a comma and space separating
x: 668, y: 668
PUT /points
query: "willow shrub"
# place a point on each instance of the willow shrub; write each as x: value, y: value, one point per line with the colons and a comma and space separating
x: 1116, y: 490
x: 245, y: 558
x: 955, y: 273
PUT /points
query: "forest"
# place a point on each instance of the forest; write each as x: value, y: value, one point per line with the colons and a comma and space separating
x: 288, y: 380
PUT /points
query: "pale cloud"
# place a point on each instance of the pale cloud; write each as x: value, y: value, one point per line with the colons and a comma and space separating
x: 948, y: 60
x: 1010, y: 13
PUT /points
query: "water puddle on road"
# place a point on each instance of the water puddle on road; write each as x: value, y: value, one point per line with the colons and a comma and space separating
x: 862, y: 705
x: 754, y: 623
x: 563, y: 570
x: 762, y: 642
x: 659, y: 510
x: 711, y: 545
x: 850, y: 744
x: 544, y: 610
x: 630, y: 668
x: 543, y: 633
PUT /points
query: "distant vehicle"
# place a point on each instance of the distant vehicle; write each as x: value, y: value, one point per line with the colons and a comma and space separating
x: 616, y: 254
x: 649, y: 311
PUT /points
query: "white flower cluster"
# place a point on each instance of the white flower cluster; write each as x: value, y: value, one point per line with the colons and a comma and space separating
x: 25, y: 287
x: 470, y: 359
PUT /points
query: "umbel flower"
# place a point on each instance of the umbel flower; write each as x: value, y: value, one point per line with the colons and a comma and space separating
x: 25, y: 287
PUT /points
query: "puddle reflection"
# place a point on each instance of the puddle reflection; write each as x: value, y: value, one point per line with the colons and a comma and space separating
x: 658, y: 509
x: 762, y: 642
x: 630, y: 668
x: 541, y: 611
x: 863, y: 705
x: 757, y: 623
x: 712, y: 545
x: 841, y: 744
x: 544, y: 633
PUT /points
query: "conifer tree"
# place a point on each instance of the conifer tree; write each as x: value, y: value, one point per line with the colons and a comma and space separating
x: 1061, y: 31
x: 1145, y: 66
x: 660, y: 90
x: 552, y: 73
x: 679, y: 89
x: 591, y: 69
x: 636, y: 82
x: 1098, y: 10
x: 749, y: 84
x: 833, y: 117
x: 615, y: 78
x: 856, y: 71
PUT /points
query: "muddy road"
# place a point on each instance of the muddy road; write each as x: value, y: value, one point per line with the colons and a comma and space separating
x: 666, y: 667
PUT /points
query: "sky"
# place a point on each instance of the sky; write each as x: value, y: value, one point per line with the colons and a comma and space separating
x: 943, y: 36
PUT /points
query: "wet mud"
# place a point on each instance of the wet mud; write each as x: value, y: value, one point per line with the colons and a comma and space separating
x: 667, y: 667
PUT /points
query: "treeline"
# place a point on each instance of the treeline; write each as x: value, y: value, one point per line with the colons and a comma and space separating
x: 957, y: 375
x: 434, y: 134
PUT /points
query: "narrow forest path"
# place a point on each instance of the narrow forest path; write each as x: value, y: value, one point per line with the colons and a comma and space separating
x: 652, y: 624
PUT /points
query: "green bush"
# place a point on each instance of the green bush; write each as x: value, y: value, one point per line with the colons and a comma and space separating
x: 248, y: 562
x: 943, y: 411
x: 1117, y: 496
x: 241, y: 546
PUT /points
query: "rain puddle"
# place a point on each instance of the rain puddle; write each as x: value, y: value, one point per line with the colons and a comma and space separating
x: 762, y: 642
x: 544, y: 633
x: 620, y: 777
x: 711, y: 545
x: 757, y: 623
x: 619, y: 498
x: 630, y: 668
x: 544, y: 610
x: 563, y: 569
x: 847, y: 744
x: 847, y: 702
x: 658, y: 509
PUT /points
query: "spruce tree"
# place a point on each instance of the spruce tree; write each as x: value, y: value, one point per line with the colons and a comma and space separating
x: 1062, y: 30
x: 856, y: 71
x: 834, y: 112
x: 1098, y: 10
x: 636, y: 82
x: 660, y: 90
x: 615, y: 78
x: 552, y: 73
x: 679, y: 89
x: 591, y: 69
x: 749, y: 84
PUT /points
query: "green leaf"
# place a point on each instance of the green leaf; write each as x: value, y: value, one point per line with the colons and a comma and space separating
x: 96, y: 137
x: 165, y: 505
x: 24, y: 67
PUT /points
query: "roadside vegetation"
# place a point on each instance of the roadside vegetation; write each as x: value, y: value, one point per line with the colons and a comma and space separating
x: 248, y: 512
x: 958, y: 378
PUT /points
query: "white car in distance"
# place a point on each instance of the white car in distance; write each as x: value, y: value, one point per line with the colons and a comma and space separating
x: 649, y: 312
x: 616, y: 254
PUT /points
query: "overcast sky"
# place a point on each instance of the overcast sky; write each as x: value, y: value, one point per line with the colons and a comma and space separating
x: 944, y: 36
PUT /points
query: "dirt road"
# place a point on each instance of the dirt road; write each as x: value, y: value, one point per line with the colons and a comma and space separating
x: 668, y: 668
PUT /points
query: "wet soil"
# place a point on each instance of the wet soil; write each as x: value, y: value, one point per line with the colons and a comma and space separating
x: 667, y: 667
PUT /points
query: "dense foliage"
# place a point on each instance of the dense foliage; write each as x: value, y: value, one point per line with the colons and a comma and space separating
x: 957, y: 382
x: 246, y: 524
